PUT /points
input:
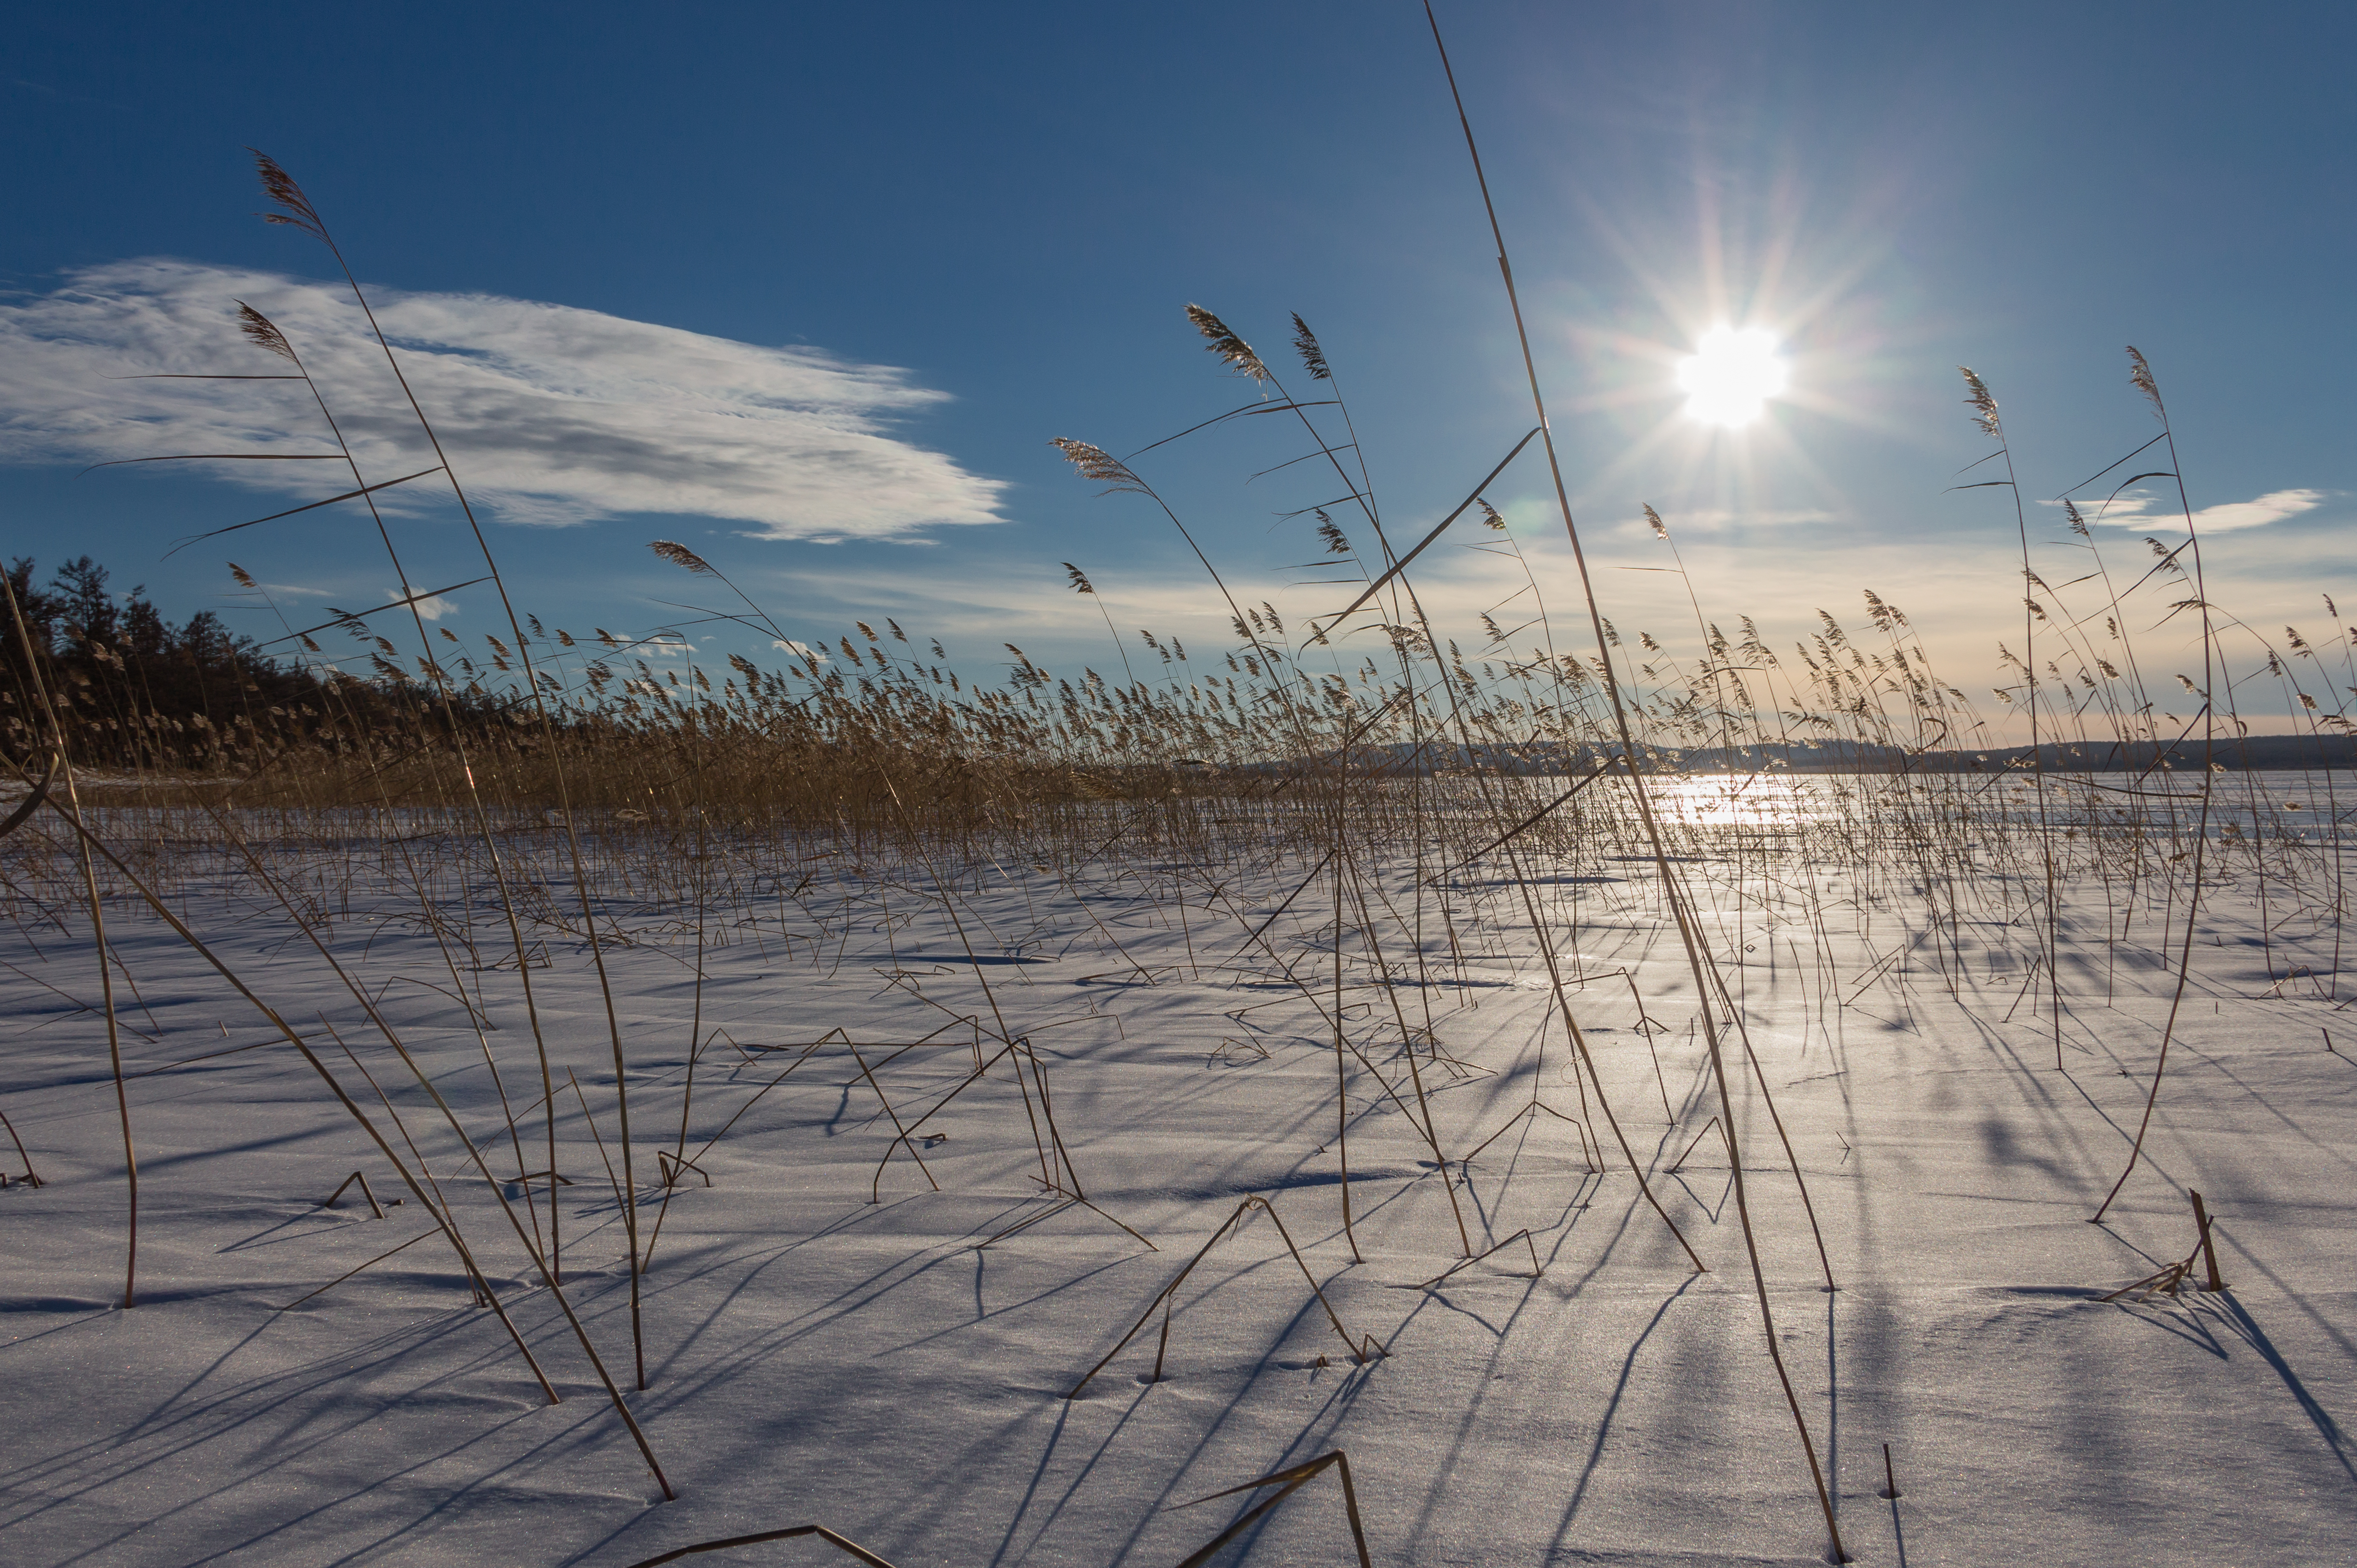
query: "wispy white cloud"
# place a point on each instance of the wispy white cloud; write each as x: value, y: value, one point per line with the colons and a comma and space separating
x: 431, y: 606
x: 550, y: 415
x: 2141, y: 508
x: 1714, y: 518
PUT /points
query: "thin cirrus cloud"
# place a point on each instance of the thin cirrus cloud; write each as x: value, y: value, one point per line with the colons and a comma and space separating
x: 552, y: 416
x: 2137, y: 510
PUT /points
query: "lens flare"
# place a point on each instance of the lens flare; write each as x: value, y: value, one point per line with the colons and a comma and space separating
x: 1731, y: 375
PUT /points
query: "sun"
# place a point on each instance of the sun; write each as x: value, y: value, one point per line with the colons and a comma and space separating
x: 1731, y: 374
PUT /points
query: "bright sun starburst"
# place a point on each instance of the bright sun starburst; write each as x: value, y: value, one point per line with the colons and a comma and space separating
x: 1731, y: 375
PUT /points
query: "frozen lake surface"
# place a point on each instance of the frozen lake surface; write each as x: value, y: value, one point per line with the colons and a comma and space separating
x: 827, y: 1339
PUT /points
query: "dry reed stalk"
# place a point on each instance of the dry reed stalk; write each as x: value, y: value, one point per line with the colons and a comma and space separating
x: 1545, y: 945
x: 1038, y: 1074
x: 2142, y: 379
x: 474, y: 1286
x: 1637, y: 790
x: 1407, y: 1044
x: 478, y: 1018
x: 1646, y: 1025
x: 62, y: 762
x: 271, y: 1016
x: 1466, y: 733
x: 282, y: 189
x: 1985, y: 410
x: 695, y: 1018
x: 1341, y: 1068
x: 1767, y: 1098
x: 424, y: 1081
x: 297, y: 212
x: 613, y: 1181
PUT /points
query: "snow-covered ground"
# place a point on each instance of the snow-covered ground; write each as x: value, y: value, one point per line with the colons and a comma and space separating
x: 813, y: 1356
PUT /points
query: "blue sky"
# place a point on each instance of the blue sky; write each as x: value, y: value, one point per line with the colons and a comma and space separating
x: 827, y: 279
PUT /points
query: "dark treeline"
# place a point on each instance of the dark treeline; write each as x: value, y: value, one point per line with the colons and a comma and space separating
x: 133, y: 690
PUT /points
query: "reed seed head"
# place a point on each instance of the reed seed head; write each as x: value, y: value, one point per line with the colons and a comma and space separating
x: 294, y: 207
x: 1981, y: 403
x: 1231, y: 351
x: 1096, y: 463
x: 681, y: 555
x: 261, y: 332
x: 2140, y: 377
x: 1313, y: 357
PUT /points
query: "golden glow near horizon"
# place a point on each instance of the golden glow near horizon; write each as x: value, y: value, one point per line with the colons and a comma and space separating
x: 1731, y: 374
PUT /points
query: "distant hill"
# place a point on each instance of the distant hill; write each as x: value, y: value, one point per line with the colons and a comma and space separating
x: 2235, y: 753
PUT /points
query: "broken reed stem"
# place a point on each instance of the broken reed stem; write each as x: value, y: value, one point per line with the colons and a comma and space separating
x: 29, y: 1178
x: 1289, y: 1481
x: 348, y: 1273
x: 1645, y: 1027
x: 1767, y: 1098
x: 843, y: 1544
x: 1047, y: 1113
x: 374, y: 1206
x: 900, y: 1134
x: 1523, y: 1235
x: 2209, y: 1250
x: 394, y: 1116
x: 1361, y: 1351
x: 1592, y: 1159
x: 1679, y: 1164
